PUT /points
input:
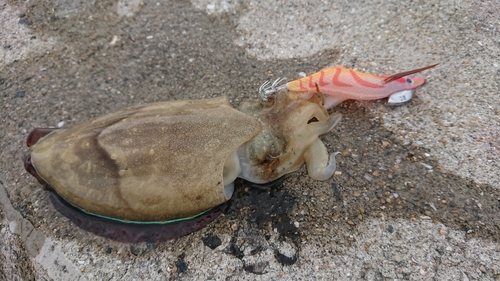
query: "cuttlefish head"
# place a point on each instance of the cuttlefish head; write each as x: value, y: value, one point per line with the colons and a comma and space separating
x: 289, y: 138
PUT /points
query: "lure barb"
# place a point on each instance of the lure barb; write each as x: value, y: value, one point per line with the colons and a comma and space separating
x: 268, y: 88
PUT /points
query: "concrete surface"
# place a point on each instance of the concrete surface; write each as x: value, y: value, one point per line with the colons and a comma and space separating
x: 416, y: 196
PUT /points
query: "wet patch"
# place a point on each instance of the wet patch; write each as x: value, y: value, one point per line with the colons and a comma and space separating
x: 180, y: 264
x: 265, y: 213
x: 212, y: 241
x: 272, y: 205
x: 284, y: 259
x: 257, y: 268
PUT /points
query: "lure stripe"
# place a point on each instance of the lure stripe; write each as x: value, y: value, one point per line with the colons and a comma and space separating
x: 311, y: 85
x: 336, y: 81
x: 321, y: 79
x: 363, y: 82
x: 301, y: 86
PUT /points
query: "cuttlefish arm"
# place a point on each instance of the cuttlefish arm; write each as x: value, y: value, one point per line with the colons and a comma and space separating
x: 321, y: 165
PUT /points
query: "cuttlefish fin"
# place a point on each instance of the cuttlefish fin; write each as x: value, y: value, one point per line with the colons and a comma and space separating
x: 36, y: 134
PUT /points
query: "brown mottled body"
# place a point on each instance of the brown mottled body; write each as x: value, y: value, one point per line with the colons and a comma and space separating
x: 137, y: 164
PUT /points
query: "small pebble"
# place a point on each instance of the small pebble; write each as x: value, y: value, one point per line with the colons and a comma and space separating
x: 25, y: 22
x: 357, y: 193
x: 397, y: 258
x: 432, y: 206
x: 426, y: 165
x: 114, y: 40
x: 482, y: 268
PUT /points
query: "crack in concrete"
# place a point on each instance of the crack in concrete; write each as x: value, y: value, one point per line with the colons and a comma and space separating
x: 43, y: 250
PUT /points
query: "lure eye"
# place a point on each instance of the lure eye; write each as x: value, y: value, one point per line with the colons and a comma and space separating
x: 409, y: 81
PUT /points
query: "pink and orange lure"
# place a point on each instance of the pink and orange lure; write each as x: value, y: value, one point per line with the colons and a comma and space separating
x: 340, y: 83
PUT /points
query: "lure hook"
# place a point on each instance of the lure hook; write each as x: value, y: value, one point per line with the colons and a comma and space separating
x: 267, y: 88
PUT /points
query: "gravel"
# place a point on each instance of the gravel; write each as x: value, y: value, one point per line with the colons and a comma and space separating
x: 416, y: 195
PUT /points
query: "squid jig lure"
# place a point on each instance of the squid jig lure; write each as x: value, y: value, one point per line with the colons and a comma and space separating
x: 338, y: 84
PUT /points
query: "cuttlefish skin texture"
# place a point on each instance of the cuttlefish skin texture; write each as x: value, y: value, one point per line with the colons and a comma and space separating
x: 169, y: 165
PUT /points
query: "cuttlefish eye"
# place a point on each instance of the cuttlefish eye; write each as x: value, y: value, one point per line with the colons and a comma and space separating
x: 409, y: 81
